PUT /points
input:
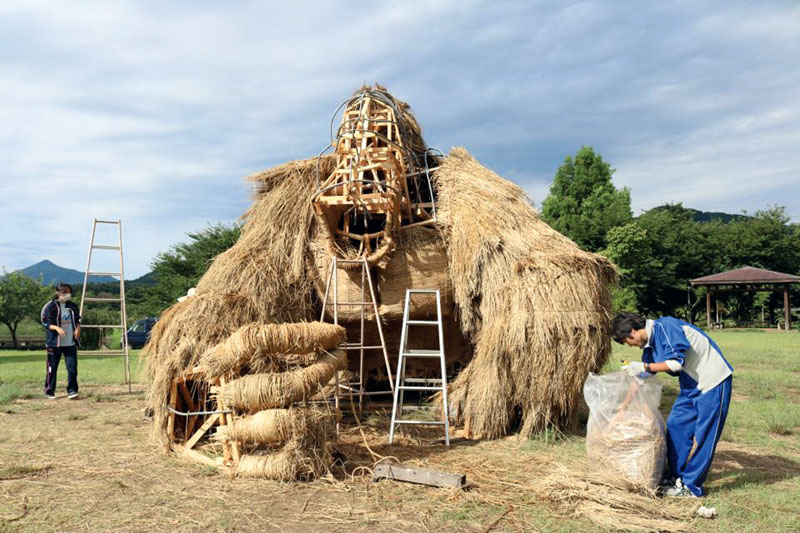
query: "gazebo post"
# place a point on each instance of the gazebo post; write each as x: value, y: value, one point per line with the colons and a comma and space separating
x: 787, y: 311
x: 708, y: 308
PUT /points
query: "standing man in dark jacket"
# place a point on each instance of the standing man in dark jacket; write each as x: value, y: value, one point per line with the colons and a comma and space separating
x: 62, y: 323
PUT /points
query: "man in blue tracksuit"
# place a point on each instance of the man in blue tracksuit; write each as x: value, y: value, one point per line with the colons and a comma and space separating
x: 699, y: 412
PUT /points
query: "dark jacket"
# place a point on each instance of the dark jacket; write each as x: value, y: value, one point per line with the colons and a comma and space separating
x: 51, y: 315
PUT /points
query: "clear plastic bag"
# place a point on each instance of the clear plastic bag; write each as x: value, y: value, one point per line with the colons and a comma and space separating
x: 626, y: 433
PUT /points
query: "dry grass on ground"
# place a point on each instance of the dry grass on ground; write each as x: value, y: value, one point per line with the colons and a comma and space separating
x: 87, y: 465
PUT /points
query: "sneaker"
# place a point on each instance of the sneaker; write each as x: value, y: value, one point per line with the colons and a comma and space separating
x: 49, y: 395
x: 72, y: 395
x: 680, y: 491
x: 668, y: 483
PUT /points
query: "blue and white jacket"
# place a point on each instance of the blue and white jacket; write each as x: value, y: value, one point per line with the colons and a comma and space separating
x: 51, y: 315
x: 688, y: 351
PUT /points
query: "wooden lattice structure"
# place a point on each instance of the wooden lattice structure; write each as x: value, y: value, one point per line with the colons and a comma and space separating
x: 380, y: 184
x: 258, y: 398
x: 189, y: 394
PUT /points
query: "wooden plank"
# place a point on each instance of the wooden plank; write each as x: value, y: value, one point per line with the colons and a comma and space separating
x: 187, y: 398
x: 230, y: 447
x: 787, y: 311
x: 196, y: 456
x: 173, y: 402
x: 210, y: 421
x: 423, y: 476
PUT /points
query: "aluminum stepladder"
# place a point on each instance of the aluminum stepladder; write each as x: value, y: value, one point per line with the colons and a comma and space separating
x: 420, y: 384
x: 356, y: 387
x: 123, y: 325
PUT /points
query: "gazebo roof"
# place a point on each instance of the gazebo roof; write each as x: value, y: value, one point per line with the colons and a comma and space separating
x: 746, y: 275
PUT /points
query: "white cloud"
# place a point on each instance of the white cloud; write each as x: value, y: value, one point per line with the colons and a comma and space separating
x: 152, y: 112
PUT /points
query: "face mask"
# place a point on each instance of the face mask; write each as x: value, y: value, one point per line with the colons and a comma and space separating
x: 64, y: 297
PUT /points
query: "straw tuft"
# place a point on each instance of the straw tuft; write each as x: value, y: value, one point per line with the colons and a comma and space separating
x: 536, y: 306
x: 255, y: 392
x: 277, y: 425
x: 267, y: 345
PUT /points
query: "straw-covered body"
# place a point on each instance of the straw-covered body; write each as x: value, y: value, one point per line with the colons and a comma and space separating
x: 255, y: 392
x: 526, y: 311
x: 535, y: 305
x: 271, y: 346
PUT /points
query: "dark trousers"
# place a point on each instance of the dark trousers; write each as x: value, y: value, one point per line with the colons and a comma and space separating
x: 70, y: 359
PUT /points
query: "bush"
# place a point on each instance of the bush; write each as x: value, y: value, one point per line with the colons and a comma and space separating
x: 96, y: 338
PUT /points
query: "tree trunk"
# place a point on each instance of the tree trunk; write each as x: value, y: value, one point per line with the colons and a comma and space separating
x: 13, y: 330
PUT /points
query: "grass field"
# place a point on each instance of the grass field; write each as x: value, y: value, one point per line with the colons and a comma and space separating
x: 88, y: 465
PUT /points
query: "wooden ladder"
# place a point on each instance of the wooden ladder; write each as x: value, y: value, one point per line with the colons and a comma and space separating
x: 123, y: 325
x: 351, y: 386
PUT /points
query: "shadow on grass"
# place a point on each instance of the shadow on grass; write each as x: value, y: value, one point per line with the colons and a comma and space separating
x: 736, y: 468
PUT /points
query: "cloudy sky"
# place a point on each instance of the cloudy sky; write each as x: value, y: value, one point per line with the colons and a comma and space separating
x: 153, y: 112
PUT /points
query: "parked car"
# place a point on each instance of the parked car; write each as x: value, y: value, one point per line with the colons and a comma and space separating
x: 139, y: 333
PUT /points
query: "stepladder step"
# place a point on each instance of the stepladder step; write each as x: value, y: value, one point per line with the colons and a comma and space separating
x: 420, y: 384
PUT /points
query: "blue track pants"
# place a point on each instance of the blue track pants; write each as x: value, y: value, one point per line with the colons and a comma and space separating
x: 696, y: 417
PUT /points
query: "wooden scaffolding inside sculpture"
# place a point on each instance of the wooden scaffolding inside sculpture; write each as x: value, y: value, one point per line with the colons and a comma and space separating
x: 380, y: 184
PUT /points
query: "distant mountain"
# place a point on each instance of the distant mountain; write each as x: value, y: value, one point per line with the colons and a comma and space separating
x: 147, y: 279
x: 52, y: 273
x: 708, y: 216
x: 702, y: 216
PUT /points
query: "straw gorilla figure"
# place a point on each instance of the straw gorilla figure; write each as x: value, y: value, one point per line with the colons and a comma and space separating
x: 526, y: 311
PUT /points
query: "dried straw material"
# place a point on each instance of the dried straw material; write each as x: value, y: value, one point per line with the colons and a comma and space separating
x: 255, y: 392
x: 419, y: 262
x: 633, y: 448
x: 348, y: 276
x: 263, y: 278
x: 295, y: 461
x: 535, y: 305
x: 277, y: 425
x: 611, y: 503
x: 531, y: 306
x: 267, y: 343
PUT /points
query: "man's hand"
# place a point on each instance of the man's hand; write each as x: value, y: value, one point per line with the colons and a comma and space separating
x: 78, y: 333
x: 61, y: 332
x: 634, y: 368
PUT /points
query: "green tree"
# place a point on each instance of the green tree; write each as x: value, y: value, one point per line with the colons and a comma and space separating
x: 583, y: 203
x: 766, y: 240
x: 630, y: 248
x: 20, y: 297
x: 657, y: 254
x: 179, y: 269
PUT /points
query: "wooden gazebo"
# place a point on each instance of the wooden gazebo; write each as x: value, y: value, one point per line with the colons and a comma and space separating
x: 748, y: 279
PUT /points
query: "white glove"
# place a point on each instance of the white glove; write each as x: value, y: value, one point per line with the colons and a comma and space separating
x: 634, y: 368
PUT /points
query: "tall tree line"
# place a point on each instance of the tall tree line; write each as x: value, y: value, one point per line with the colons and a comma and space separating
x: 659, y: 251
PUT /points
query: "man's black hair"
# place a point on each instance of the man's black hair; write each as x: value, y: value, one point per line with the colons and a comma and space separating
x: 623, y: 323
